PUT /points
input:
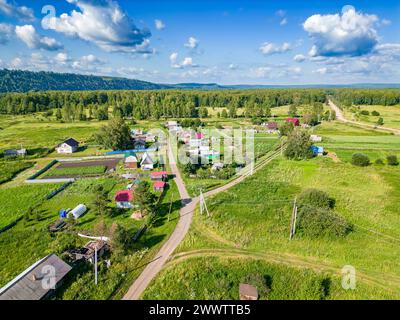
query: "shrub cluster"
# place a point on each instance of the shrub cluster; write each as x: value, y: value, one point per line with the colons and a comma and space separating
x: 317, y: 218
x: 360, y: 160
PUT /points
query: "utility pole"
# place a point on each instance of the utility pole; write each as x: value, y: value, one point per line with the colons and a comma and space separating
x: 95, y: 264
x: 203, y: 204
x: 293, y: 220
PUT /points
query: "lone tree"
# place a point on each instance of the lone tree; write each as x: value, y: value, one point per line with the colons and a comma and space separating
x: 144, y: 198
x: 299, y: 145
x: 120, y: 238
x: 115, y: 135
x: 101, y: 201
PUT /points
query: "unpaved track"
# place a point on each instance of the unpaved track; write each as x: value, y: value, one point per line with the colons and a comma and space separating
x: 182, y: 228
x: 341, y: 117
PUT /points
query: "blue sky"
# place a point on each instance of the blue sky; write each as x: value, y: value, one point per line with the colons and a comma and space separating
x: 229, y: 42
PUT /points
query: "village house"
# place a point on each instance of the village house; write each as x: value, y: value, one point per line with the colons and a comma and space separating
x: 15, y: 153
x: 294, y: 121
x: 68, y: 146
x: 248, y: 292
x: 123, y: 199
x: 271, y: 127
x: 159, y: 176
x: 159, y: 186
x: 131, y: 162
x: 30, y: 284
x: 140, y: 144
x: 147, y: 162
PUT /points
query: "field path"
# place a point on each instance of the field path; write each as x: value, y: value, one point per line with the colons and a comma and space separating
x: 182, y: 228
x: 388, y: 282
x: 340, y: 116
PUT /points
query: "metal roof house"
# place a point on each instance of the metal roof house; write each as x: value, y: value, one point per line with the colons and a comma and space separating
x: 68, y: 146
x: 147, y: 163
x: 35, y: 283
x: 15, y: 153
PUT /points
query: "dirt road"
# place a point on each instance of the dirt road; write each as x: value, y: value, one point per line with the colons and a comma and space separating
x: 341, y: 117
x: 182, y: 228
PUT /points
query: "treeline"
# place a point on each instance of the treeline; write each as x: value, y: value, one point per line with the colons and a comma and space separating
x: 25, y: 81
x: 78, y: 105
x: 384, y: 97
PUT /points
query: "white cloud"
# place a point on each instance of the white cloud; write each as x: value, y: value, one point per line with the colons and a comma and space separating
x: 349, y: 34
x: 232, y: 66
x: 192, y: 43
x: 159, y: 24
x: 16, y: 63
x: 87, y: 63
x: 103, y: 23
x: 321, y: 71
x: 6, y: 31
x: 299, y: 58
x: 269, y: 48
x: 186, y: 62
x: 28, y: 35
x: 284, y: 22
x: 61, y: 58
x: 19, y: 12
x: 281, y: 13
x: 386, y: 22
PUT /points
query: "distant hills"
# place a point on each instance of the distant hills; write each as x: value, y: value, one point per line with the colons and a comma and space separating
x: 25, y: 81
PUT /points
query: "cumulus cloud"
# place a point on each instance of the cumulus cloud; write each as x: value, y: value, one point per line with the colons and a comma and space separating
x: 87, y: 63
x: 299, y: 58
x: 349, y: 34
x: 6, y: 31
x: 28, y: 35
x: 268, y: 48
x: 159, y: 24
x: 19, y: 12
x: 16, y: 63
x: 186, y: 62
x: 61, y: 58
x: 192, y: 43
x: 103, y: 23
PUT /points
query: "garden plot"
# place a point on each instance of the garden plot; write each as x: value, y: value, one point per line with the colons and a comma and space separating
x: 75, y: 169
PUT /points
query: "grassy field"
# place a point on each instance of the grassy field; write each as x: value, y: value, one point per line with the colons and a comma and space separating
x: 9, y: 169
x: 390, y: 115
x: 15, y: 202
x: 76, y: 171
x: 345, y: 140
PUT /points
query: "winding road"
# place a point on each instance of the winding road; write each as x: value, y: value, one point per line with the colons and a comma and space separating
x: 341, y: 117
x: 182, y: 228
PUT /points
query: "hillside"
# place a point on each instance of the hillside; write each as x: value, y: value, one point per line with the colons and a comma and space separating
x: 24, y: 81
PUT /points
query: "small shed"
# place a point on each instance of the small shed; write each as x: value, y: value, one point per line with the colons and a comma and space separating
x: 124, y: 199
x: 315, y: 138
x: 87, y: 253
x: 159, y: 176
x: 248, y: 292
x: 317, y: 151
x: 131, y: 162
x: 159, y: 186
x: 38, y: 282
x: 15, y: 153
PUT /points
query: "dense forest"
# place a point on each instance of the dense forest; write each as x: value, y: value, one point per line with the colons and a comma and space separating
x: 349, y: 97
x: 25, y: 81
x: 83, y: 105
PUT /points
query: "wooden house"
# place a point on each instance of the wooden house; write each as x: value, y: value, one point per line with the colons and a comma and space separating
x: 147, y: 162
x: 38, y: 282
x: 124, y: 199
x: 68, y: 146
x: 131, y: 162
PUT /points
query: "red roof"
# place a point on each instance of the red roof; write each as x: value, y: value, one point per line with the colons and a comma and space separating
x: 295, y: 121
x: 160, y: 173
x: 124, y: 196
x: 159, y: 184
x: 199, y: 135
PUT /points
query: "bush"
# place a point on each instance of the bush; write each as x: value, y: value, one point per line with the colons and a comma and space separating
x: 364, y: 112
x: 360, y: 160
x: 379, y: 162
x: 316, y: 198
x: 380, y: 122
x: 392, y: 160
x: 321, y: 222
x: 375, y: 113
